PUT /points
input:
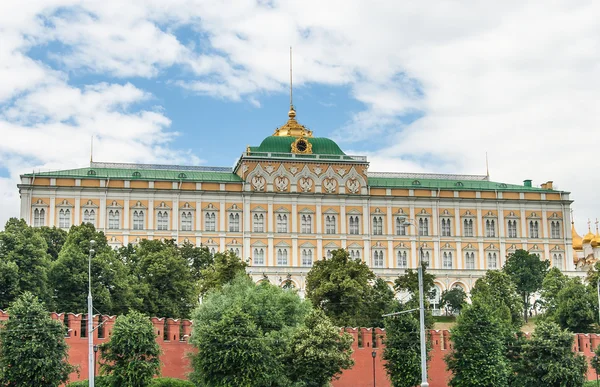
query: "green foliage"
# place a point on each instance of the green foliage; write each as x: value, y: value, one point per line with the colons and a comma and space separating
x: 33, y: 351
x: 23, y: 249
x: 69, y: 274
x: 242, y: 332
x: 575, y: 307
x: 553, y: 283
x: 103, y: 381
x: 527, y: 271
x: 454, y: 299
x: 548, y: 359
x: 198, y: 258
x: 595, y: 361
x: 99, y: 381
x: 317, y: 352
x: 500, y: 292
x: 402, y: 351
x: 409, y: 282
x: 130, y: 358
x: 222, y: 270
x: 55, y: 239
x: 339, y: 286
x: 478, y: 357
x: 380, y: 301
x: 162, y: 279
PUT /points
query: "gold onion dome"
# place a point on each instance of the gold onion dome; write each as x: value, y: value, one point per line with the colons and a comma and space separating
x: 596, y: 241
x: 292, y: 128
x: 588, y: 237
x: 577, y: 240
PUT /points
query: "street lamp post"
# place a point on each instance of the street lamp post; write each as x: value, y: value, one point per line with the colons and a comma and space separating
x: 95, y: 359
x: 424, y: 382
x: 90, y: 319
x: 374, y: 355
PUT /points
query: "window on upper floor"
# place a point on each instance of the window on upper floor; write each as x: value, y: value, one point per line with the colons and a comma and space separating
x: 425, y: 258
x: 162, y: 221
x: 114, y: 219
x: 355, y: 253
x: 534, y: 229
x: 89, y: 216
x: 555, y: 229
x: 234, y: 222
x: 64, y: 218
x: 235, y: 250
x: 138, y: 220
x: 468, y: 227
x: 423, y: 226
x: 282, y: 257
x: 306, y: 224
x: 258, y: 223
x: 492, y: 261
x: 512, y: 228
x: 377, y: 225
x: 186, y: 221
x: 490, y: 228
x: 39, y: 217
x: 557, y: 260
x: 446, y: 227
x: 210, y: 221
x: 378, y: 260
x: 470, y: 260
x: 330, y: 224
x: 282, y: 223
x: 402, y: 259
x: 400, y: 227
x: 259, y: 257
x: 307, y: 257
x: 447, y: 260
x: 354, y: 225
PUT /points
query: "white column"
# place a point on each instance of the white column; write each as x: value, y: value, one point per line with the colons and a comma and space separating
x: 77, y: 212
x: 52, y: 212
x: 102, y: 214
x: 25, y: 210
x: 222, y: 218
x: 126, y: 224
x: 246, y: 228
x: 151, y: 226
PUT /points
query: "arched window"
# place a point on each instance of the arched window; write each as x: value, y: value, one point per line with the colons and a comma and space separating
x: 512, y: 228
x: 447, y: 260
x: 425, y: 258
x: 402, y: 259
x: 330, y: 224
x: 162, y: 219
x: 470, y: 260
x: 258, y: 223
x: 377, y: 225
x: 446, y: 227
x: 555, y: 229
x: 533, y: 229
x: 89, y: 216
x: 138, y: 220
x: 281, y: 223
x: 492, y: 261
x: 234, y: 222
x: 306, y: 224
x: 468, y: 226
x: 259, y: 257
x: 307, y: 257
x: 400, y: 227
x: 210, y: 221
x: 64, y: 218
x: 354, y: 226
x: 113, y: 219
x: 282, y: 259
x: 378, y: 258
x: 557, y: 260
x: 490, y: 228
x: 186, y: 221
x: 39, y: 217
x: 423, y: 227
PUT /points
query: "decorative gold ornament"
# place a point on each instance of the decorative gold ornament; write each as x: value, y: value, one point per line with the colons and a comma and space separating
x: 301, y: 145
x: 292, y: 128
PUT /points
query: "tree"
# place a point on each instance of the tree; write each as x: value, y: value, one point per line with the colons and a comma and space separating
x: 527, y: 271
x: 55, y: 239
x: 222, y: 270
x: 553, y: 283
x: 548, y: 359
x: 454, y: 299
x: 198, y: 258
x: 242, y: 333
x: 501, y: 292
x: 69, y: 274
x: 339, y: 286
x: 574, y: 309
x: 478, y: 356
x: 33, y: 351
x: 163, y: 280
x: 131, y: 357
x: 317, y: 352
x: 22, y: 246
x: 402, y: 351
x: 9, y: 283
x: 409, y: 282
x: 380, y: 301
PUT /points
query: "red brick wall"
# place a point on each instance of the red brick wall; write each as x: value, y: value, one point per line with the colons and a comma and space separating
x: 175, y: 360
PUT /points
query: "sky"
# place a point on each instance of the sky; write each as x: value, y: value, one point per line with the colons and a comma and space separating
x: 427, y: 86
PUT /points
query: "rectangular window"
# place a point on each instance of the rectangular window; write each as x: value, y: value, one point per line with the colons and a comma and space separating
x: 307, y: 257
x: 355, y: 254
x: 468, y: 227
x: 282, y: 257
x: 446, y: 227
x: 470, y: 260
x: 492, y: 261
x: 89, y: 216
x: 186, y: 221
x: 64, y: 218
x: 557, y: 260
x: 354, y: 225
x: 39, y: 217
x: 282, y: 223
x: 447, y: 260
x: 490, y: 228
x: 512, y: 228
x: 400, y: 227
x: 533, y: 229
x: 378, y: 260
x: 377, y: 225
x: 258, y: 223
x: 138, y: 220
x: 330, y: 224
x: 210, y: 221
x: 306, y: 224
x: 402, y: 259
x: 555, y: 229
x: 259, y: 257
x: 162, y: 221
x: 113, y: 219
x: 423, y: 226
x: 234, y: 222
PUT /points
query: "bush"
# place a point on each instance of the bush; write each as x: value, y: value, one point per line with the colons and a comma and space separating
x: 102, y: 381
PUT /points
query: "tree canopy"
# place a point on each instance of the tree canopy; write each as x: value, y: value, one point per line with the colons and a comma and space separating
x: 33, y: 351
x: 527, y: 271
x: 500, y: 292
x: 453, y: 299
x: 217, y: 270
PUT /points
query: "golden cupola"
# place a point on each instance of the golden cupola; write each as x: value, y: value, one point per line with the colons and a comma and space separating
x: 577, y: 240
x: 588, y: 237
x: 292, y: 128
x: 596, y: 240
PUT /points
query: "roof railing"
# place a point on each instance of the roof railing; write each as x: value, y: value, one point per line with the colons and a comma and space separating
x: 164, y: 167
x: 301, y: 156
x: 433, y: 176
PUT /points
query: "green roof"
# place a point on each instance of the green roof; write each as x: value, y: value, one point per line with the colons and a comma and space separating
x: 418, y: 183
x: 278, y: 144
x: 142, y: 174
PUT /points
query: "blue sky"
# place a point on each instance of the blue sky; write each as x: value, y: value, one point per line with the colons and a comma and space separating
x: 415, y: 87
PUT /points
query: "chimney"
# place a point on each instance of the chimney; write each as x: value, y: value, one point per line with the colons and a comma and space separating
x: 549, y: 185
x: 527, y: 183
x: 543, y: 185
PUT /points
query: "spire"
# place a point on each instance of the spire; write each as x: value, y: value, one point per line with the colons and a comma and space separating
x: 291, y: 88
x: 92, y: 150
x: 487, y: 168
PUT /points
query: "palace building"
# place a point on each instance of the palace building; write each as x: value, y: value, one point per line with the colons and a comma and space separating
x: 294, y: 198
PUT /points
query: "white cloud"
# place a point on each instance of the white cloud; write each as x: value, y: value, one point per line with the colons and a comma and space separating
x: 517, y: 79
